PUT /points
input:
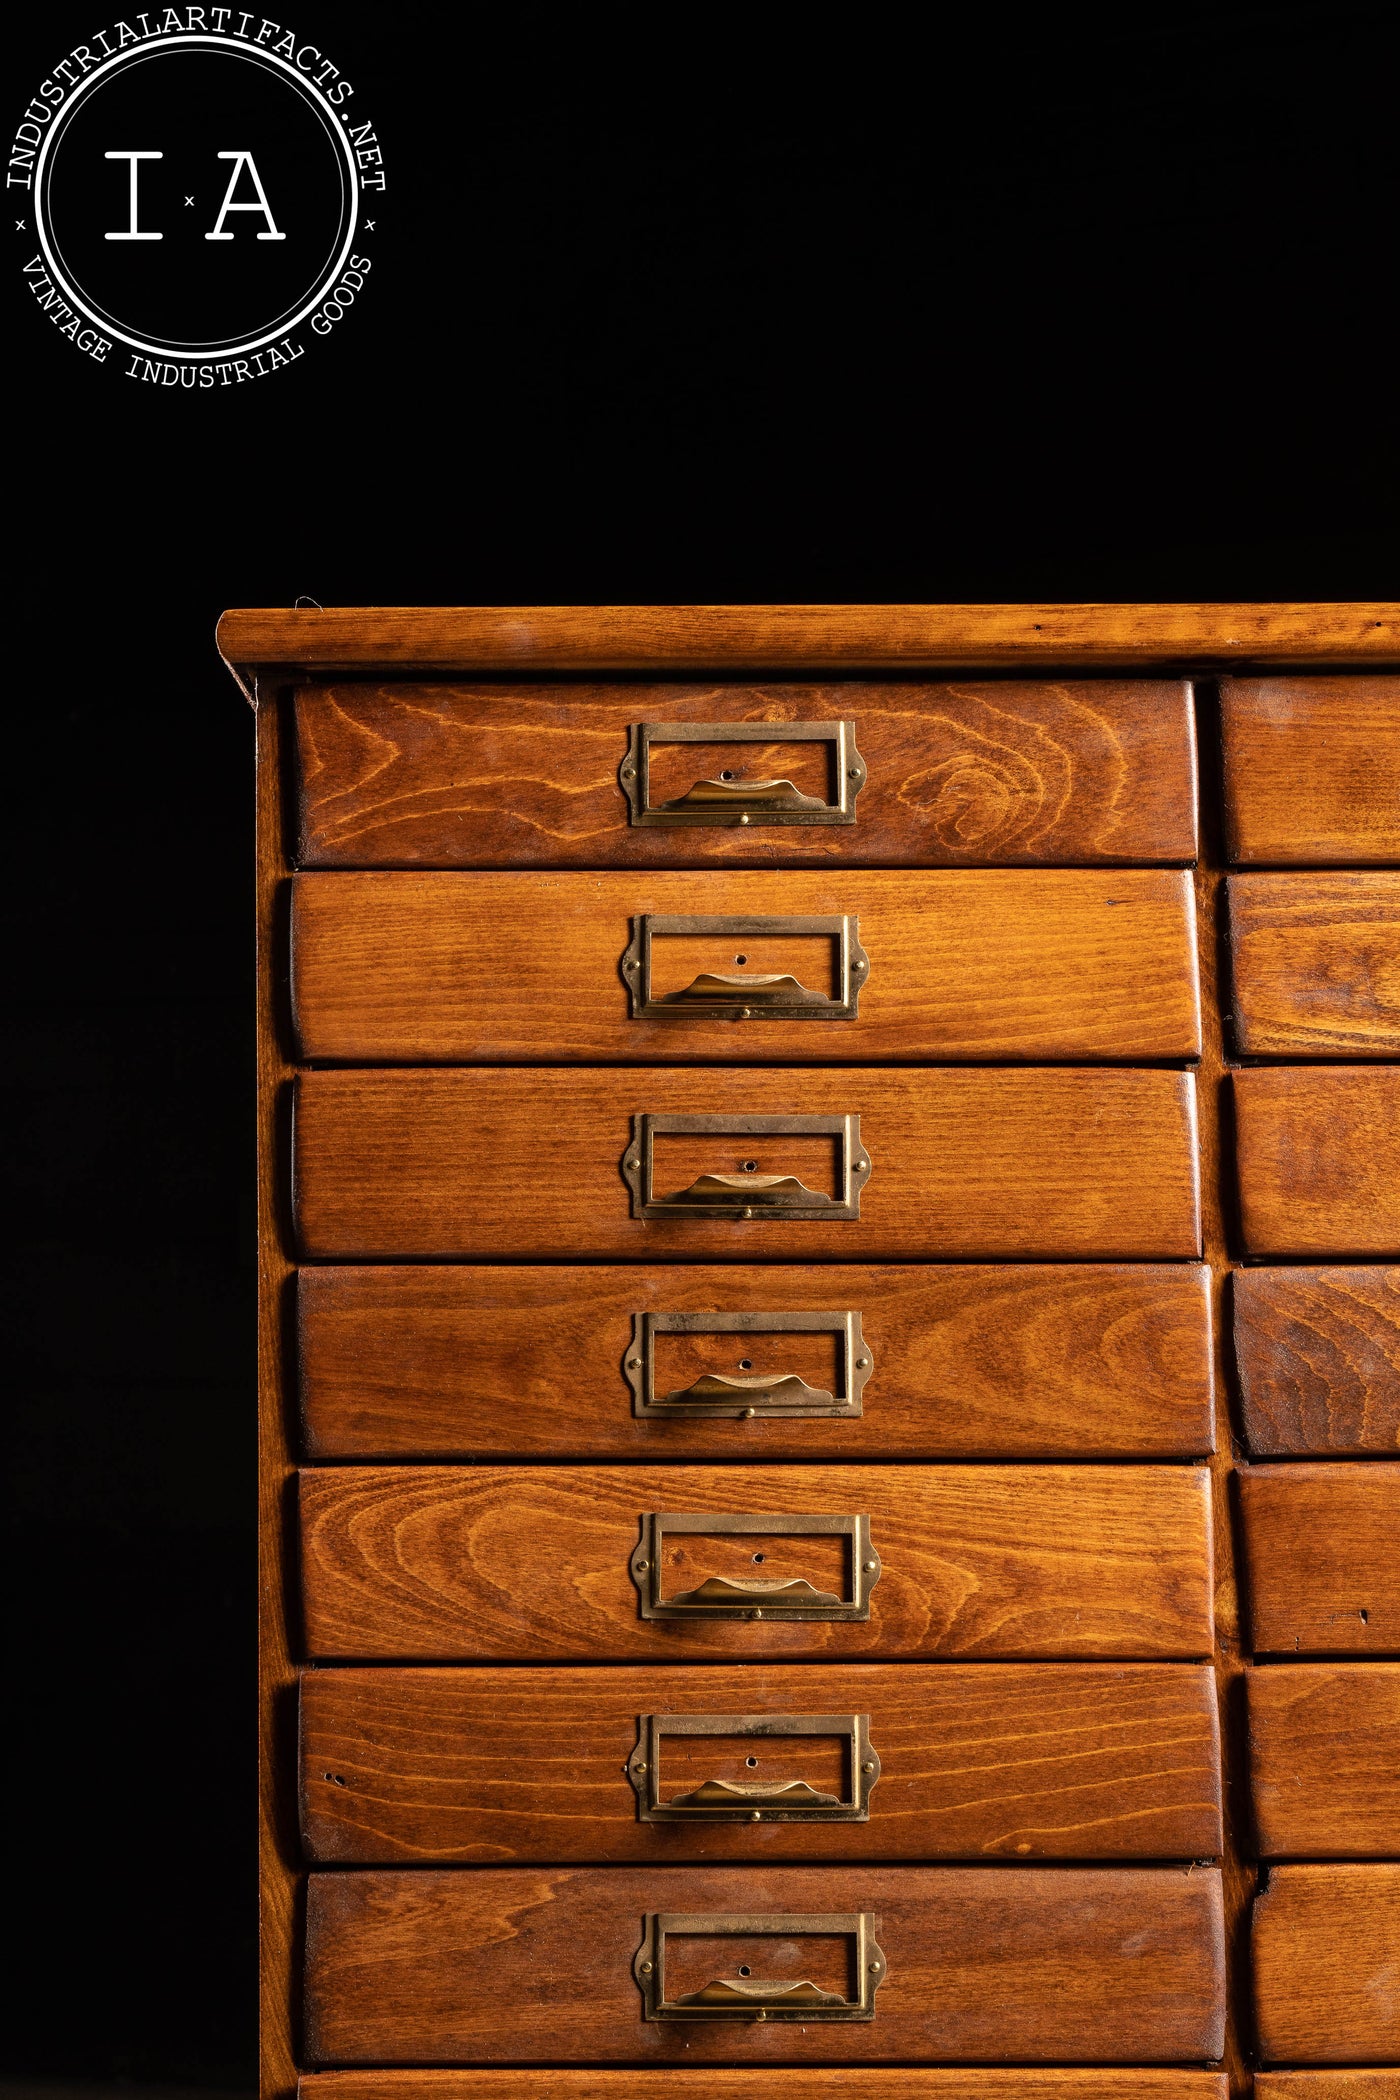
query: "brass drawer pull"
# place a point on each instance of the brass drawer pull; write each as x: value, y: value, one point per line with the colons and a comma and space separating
x: 783, y: 1597
x: 749, y: 1997
x: 736, y: 801
x: 750, y: 1194
x: 774, y: 1801
x: 725, y: 1394
x: 716, y: 995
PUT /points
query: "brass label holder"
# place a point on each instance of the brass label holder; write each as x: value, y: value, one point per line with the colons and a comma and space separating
x: 783, y: 1599
x: 756, y: 1998
x: 750, y: 1194
x: 786, y: 1801
x: 728, y: 801
x: 717, y: 996
x: 718, y: 1396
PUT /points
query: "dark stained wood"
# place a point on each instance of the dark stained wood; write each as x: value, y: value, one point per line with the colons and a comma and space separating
x: 526, y: 1162
x: 806, y: 638
x: 510, y: 1563
x: 442, y: 776
x: 1004, y: 1760
x: 1318, y: 1354
x: 1327, y: 1965
x: 1322, y: 1548
x: 527, y: 968
x: 503, y: 1964
x: 1319, y: 1160
x: 1324, y: 1742
x: 1316, y: 964
x: 1062, y: 1361
x: 810, y: 2082
x: 1312, y: 770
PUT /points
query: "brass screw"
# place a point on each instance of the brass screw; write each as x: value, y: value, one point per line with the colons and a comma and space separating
x: 744, y: 818
x: 871, y: 1566
x: 868, y: 1766
x: 629, y: 1163
x: 634, y: 1363
x: 746, y: 1214
x: 641, y: 1765
x: 749, y: 1413
x: 755, y: 1614
x: 874, y: 1968
x: 757, y: 1816
x: 631, y: 966
x: 629, y: 772
x: 646, y: 1968
x: 862, y: 1363
x: 854, y: 772
x: 642, y: 1566
x: 745, y: 1013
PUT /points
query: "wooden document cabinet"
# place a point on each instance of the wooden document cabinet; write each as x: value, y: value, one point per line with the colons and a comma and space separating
x: 776, y: 1239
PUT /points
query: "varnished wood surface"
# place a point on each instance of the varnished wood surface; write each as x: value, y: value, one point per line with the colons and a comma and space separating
x: 494, y: 776
x: 1316, y: 964
x: 1318, y: 1353
x: 1327, y: 1965
x: 964, y: 964
x: 842, y: 638
x: 1312, y: 770
x: 1319, y: 1160
x: 991, y: 1761
x: 1324, y: 1744
x: 528, y: 1564
x: 810, y: 2082
x: 504, y: 1163
x: 506, y: 1964
x: 1062, y: 1361
x: 1322, y: 1547
x: 1300, y: 2085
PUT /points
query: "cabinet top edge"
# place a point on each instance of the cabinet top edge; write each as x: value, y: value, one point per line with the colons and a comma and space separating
x: 807, y: 639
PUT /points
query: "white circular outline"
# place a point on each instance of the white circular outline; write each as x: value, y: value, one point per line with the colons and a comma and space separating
x: 216, y: 43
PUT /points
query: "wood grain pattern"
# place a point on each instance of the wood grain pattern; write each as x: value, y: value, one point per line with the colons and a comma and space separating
x: 498, y: 1767
x: 809, y: 638
x: 810, y: 2082
x: 1326, y: 1947
x: 1318, y: 1353
x: 1324, y: 1741
x: 530, y: 1564
x: 1315, y: 964
x: 1312, y: 770
x: 1319, y: 1160
x: 509, y: 1163
x: 1309, y: 2085
x: 495, y: 776
x: 1322, y: 1547
x: 1054, y: 1362
x: 503, y: 1964
x: 964, y: 964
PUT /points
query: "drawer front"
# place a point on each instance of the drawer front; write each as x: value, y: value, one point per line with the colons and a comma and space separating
x: 961, y: 964
x: 1062, y: 1361
x: 1324, y: 1759
x: 524, y: 1564
x: 513, y: 1163
x: 1318, y: 1352
x: 1322, y: 1549
x: 1326, y: 1949
x: 824, y: 2082
x: 1315, y: 964
x: 502, y: 1965
x: 1082, y: 772
x: 1312, y: 770
x: 1319, y: 1160
x: 969, y: 1761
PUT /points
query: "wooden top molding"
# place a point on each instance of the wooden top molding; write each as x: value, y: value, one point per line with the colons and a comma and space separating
x: 806, y: 638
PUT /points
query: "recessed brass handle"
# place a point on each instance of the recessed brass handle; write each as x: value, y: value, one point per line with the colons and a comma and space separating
x: 756, y: 1395
x: 747, y: 1195
x: 754, y: 995
x: 727, y: 1796
x: 753, y: 1997
x: 778, y: 1598
x: 773, y: 1191
x: 773, y: 800
x: 786, y: 1800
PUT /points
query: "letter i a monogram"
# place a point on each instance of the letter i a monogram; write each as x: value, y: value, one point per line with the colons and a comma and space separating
x: 240, y: 161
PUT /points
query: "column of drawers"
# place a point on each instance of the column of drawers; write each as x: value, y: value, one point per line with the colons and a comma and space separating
x: 755, y: 1375
x: 1313, y: 830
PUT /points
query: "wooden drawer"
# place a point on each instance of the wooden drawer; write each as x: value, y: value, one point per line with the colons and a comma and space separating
x: 1326, y: 1947
x: 1318, y: 1353
x: 492, y: 1965
x: 1319, y: 1160
x: 961, y: 964
x: 1315, y: 964
x: 972, y: 1761
x: 1312, y: 770
x: 488, y: 1163
x: 1324, y: 1759
x: 1322, y: 1549
x: 814, y: 2082
x: 535, y: 1564
x: 1268, y: 2085
x: 1063, y: 1361
x: 1082, y: 772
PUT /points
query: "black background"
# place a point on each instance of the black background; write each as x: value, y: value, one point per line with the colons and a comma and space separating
x: 664, y: 307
